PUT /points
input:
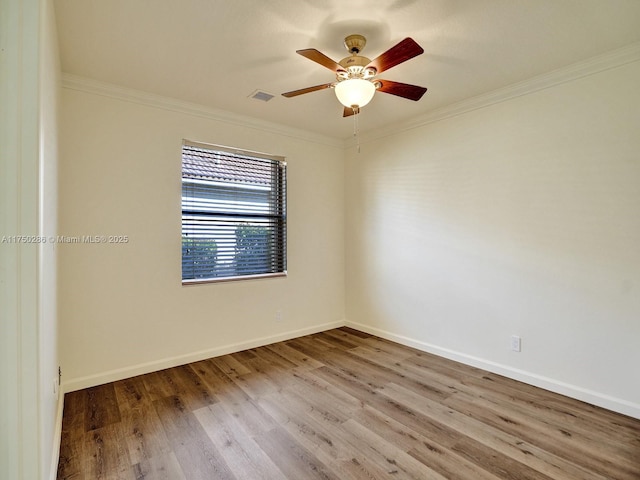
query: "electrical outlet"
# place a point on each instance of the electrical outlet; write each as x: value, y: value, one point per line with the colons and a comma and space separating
x: 516, y: 343
x: 278, y: 316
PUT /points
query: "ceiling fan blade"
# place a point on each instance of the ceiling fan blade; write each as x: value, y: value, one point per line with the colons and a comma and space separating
x: 348, y: 111
x: 321, y: 58
x: 403, y: 51
x: 295, y: 93
x: 404, y: 90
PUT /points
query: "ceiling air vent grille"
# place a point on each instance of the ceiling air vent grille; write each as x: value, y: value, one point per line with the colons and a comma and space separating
x: 260, y: 95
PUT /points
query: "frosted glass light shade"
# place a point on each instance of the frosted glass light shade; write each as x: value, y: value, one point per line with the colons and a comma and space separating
x: 355, y: 92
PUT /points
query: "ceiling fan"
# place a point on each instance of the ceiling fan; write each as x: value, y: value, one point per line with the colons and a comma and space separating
x: 356, y: 81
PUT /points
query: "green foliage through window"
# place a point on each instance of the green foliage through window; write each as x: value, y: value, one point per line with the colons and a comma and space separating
x: 252, y: 248
x: 201, y: 253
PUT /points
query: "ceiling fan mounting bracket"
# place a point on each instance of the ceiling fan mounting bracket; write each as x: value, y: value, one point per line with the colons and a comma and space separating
x: 355, y: 43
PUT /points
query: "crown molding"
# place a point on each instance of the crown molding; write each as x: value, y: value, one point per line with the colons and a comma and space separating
x: 575, y: 71
x: 96, y: 87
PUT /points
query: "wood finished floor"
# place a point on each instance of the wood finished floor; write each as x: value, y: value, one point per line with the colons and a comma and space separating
x: 339, y: 405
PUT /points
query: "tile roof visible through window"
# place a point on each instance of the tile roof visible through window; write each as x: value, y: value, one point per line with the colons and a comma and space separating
x: 225, y: 167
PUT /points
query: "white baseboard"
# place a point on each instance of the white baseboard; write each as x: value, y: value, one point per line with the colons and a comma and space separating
x: 595, y: 398
x: 148, y: 367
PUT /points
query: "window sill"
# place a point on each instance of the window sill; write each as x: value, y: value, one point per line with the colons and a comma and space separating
x: 232, y: 279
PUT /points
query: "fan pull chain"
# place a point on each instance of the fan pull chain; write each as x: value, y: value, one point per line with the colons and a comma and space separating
x: 356, y: 127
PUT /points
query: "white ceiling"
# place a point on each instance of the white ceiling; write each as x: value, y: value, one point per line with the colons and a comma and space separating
x: 218, y: 52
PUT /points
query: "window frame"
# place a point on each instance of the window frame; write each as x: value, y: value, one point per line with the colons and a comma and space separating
x: 283, y: 206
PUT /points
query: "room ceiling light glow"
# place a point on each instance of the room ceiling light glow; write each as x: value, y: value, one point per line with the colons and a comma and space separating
x: 355, y: 92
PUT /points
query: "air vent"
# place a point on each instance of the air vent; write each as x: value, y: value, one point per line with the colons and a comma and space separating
x: 260, y: 95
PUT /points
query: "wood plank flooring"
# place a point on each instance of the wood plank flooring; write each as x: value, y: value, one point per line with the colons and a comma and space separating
x: 339, y: 405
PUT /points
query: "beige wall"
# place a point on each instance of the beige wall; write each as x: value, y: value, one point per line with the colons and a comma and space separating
x: 520, y: 218
x: 123, y: 308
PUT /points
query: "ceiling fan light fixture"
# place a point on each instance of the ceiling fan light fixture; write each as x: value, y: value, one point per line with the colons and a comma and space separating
x: 355, y: 92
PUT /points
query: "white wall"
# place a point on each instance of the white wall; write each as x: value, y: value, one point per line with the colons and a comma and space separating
x: 521, y: 218
x: 29, y: 79
x: 123, y: 309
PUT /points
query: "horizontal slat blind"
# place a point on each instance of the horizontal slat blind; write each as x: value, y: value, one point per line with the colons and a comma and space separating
x: 233, y: 214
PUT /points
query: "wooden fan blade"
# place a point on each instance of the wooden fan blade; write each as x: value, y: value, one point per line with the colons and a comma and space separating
x: 321, y: 58
x: 403, y: 51
x: 295, y: 93
x: 348, y: 111
x: 404, y: 90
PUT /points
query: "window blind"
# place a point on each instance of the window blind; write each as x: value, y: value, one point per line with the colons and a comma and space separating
x: 234, y: 221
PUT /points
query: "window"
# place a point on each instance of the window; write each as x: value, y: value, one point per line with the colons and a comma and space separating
x: 234, y: 221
